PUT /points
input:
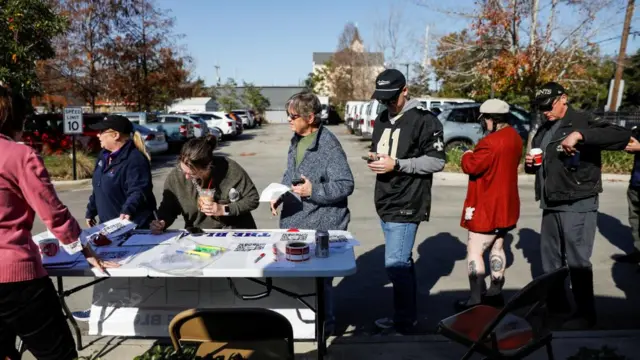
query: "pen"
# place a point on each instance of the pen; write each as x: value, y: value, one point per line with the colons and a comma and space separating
x: 155, y: 214
x: 258, y: 258
x: 192, y: 252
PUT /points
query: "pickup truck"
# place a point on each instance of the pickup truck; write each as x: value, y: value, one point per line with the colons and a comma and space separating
x: 178, y: 129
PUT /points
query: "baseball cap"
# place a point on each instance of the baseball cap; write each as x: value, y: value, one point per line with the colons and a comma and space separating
x: 118, y: 123
x: 494, y: 106
x: 547, y: 93
x: 388, y: 84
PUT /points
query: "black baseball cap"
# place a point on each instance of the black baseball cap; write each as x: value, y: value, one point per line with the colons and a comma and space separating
x: 389, y: 83
x: 548, y: 93
x: 118, y: 123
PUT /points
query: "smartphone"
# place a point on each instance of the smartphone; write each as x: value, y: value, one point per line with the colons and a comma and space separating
x: 295, y: 182
x: 370, y: 159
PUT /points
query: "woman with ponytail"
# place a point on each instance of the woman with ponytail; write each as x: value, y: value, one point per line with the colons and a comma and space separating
x: 122, y: 185
x: 209, y: 191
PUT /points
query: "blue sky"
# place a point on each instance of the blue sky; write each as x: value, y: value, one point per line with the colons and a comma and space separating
x: 270, y: 42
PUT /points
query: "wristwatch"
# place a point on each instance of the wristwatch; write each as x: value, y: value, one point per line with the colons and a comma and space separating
x: 396, y: 167
x: 226, y: 210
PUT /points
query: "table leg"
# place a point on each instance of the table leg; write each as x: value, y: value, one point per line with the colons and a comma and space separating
x: 320, y: 318
x: 68, y: 314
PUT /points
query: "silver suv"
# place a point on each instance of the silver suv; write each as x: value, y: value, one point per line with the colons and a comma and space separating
x: 461, y: 126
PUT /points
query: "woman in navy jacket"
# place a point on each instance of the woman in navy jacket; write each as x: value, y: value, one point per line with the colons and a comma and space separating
x: 122, y: 185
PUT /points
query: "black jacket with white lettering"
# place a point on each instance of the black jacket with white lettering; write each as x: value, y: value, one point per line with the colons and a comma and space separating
x: 563, y: 183
x: 405, y: 195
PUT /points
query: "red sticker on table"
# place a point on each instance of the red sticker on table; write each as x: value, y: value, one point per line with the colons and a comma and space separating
x: 293, y: 230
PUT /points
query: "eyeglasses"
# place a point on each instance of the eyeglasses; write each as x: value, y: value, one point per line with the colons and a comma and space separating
x: 107, y: 131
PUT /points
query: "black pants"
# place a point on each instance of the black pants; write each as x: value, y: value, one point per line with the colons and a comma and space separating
x: 31, y: 310
x: 633, y: 198
x: 568, y: 238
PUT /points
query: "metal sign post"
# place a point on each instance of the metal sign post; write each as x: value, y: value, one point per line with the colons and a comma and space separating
x: 73, y: 124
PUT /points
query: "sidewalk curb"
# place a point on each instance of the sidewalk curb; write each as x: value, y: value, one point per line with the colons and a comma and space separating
x: 453, y: 178
x: 71, y: 182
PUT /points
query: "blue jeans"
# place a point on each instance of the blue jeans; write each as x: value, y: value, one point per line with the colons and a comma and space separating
x: 399, y: 239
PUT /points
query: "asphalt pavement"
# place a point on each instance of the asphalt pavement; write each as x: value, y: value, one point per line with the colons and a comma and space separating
x: 439, y: 251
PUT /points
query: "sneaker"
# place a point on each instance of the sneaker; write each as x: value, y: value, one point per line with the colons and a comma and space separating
x: 384, y: 323
x: 82, y: 315
x: 632, y: 258
x: 387, y: 323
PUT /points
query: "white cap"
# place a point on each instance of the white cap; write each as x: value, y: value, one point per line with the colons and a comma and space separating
x: 494, y: 106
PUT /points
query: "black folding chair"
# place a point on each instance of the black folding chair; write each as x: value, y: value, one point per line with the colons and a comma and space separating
x: 501, y: 334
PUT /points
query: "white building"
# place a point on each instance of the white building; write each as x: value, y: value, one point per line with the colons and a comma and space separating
x: 196, y: 104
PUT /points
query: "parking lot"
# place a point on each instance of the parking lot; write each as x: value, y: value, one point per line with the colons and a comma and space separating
x: 440, y: 246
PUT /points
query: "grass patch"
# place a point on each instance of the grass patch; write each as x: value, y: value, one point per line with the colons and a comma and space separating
x: 60, y: 167
x: 613, y: 162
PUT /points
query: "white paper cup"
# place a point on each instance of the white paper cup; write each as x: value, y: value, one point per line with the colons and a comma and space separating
x: 537, y: 156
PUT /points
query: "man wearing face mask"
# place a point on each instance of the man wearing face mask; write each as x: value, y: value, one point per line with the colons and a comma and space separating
x: 567, y: 163
x: 406, y: 149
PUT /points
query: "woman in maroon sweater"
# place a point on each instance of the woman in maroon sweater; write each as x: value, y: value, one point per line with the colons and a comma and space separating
x: 29, y: 305
x: 492, y: 206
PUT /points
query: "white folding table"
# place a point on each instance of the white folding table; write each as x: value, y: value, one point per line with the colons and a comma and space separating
x: 144, y: 247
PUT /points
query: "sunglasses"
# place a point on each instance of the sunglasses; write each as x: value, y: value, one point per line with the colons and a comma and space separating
x: 393, y: 100
x: 293, y: 116
x: 548, y: 106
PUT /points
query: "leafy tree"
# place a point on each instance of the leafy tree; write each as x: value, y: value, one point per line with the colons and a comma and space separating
x: 145, y: 68
x: 253, y: 98
x: 227, y: 96
x: 26, y: 30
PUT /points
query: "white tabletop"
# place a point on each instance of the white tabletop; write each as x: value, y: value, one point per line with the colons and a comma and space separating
x: 144, y: 249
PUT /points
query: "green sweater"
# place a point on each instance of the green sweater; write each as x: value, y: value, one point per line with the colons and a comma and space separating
x: 180, y: 196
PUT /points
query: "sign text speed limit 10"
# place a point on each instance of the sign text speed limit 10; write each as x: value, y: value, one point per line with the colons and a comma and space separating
x: 72, y: 120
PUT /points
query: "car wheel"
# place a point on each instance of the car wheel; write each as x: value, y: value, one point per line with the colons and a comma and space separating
x: 456, y: 144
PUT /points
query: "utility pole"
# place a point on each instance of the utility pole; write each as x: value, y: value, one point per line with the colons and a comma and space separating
x: 621, y: 56
x: 218, y: 74
x: 407, y: 65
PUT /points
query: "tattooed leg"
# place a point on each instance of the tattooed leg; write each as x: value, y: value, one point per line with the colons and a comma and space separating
x: 497, y: 264
x: 475, y: 266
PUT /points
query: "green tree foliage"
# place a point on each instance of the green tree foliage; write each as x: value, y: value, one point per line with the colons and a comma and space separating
x: 26, y: 30
x: 253, y: 98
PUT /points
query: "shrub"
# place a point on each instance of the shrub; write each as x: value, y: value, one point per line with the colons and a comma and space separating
x: 613, y: 162
x: 60, y: 167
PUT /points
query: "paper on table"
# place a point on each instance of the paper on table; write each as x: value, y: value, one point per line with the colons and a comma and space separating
x: 274, y: 191
x: 121, y: 255
x: 144, y: 239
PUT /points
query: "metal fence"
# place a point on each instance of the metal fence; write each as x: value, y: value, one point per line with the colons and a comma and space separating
x: 626, y: 119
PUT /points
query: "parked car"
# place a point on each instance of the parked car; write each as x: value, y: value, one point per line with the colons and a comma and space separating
x: 220, y: 121
x: 436, y: 104
x: 154, y: 141
x: 200, y: 127
x: 461, y: 125
x: 138, y: 117
x: 248, y: 121
x: 44, y: 132
x: 178, y: 129
x: 238, y: 120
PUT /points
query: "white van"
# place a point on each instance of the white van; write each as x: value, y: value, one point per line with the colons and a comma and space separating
x: 373, y: 110
x: 359, y: 119
x: 350, y: 113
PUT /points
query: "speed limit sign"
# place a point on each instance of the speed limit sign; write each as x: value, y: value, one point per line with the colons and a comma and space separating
x: 72, y: 120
